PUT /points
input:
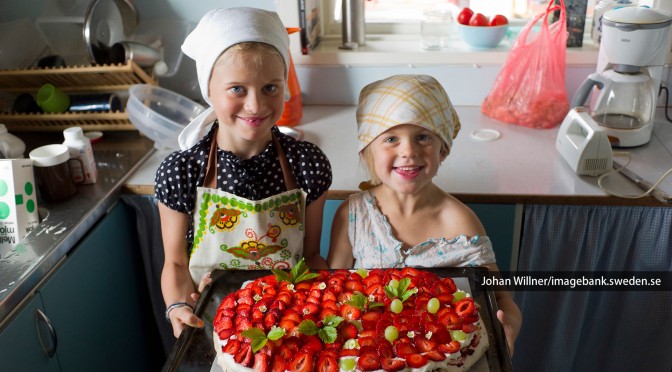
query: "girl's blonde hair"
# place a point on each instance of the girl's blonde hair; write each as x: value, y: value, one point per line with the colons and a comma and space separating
x: 234, y: 53
x: 366, y: 156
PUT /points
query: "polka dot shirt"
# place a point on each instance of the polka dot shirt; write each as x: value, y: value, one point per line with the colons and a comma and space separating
x: 259, y: 177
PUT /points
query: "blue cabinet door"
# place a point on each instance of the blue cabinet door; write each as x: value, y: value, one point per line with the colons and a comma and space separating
x: 20, y: 347
x: 95, y: 300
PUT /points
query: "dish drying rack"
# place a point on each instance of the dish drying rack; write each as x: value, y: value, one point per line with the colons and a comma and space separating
x: 77, y: 79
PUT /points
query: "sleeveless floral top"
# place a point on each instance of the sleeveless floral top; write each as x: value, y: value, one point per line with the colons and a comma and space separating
x: 374, y: 245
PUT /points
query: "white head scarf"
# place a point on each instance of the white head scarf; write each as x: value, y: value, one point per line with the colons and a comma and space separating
x: 405, y: 99
x: 217, y: 31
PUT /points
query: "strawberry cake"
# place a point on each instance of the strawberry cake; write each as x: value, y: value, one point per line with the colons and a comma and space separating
x: 364, y: 320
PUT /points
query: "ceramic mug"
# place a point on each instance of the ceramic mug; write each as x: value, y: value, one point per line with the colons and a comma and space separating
x: 52, y: 170
x: 52, y: 99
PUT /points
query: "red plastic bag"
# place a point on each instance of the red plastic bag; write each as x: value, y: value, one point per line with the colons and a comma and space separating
x: 530, y: 89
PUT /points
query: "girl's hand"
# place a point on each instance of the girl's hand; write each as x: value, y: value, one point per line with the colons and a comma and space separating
x: 182, y: 317
x: 511, y: 327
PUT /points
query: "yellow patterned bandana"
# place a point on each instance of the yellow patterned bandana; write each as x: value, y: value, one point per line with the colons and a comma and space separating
x: 405, y: 99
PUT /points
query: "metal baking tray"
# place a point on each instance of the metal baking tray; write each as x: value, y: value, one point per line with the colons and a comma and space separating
x: 194, y: 350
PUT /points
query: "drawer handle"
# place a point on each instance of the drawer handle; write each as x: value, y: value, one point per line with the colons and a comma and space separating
x: 48, y: 347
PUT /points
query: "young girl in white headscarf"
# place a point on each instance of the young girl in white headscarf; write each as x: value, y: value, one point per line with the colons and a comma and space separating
x: 406, y: 125
x: 239, y: 194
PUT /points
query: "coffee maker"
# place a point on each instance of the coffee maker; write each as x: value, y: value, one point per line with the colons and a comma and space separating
x: 624, y: 88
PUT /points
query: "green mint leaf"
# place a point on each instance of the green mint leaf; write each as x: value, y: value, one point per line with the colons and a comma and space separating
x: 305, y: 277
x: 332, y: 321
x: 390, y: 291
x: 374, y: 304
x: 298, y: 270
x: 403, y: 284
x: 308, y: 327
x: 328, y: 334
x: 253, y: 333
x: 281, y: 275
x: 276, y: 333
x: 358, y: 300
x: 258, y: 344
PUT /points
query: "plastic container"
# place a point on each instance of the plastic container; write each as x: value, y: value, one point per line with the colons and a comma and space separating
x: 483, y: 37
x: 160, y: 114
x: 11, y: 146
x: 601, y: 8
x: 79, y: 147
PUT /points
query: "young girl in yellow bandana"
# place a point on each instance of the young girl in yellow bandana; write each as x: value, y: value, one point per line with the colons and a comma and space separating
x: 240, y: 194
x: 406, y: 125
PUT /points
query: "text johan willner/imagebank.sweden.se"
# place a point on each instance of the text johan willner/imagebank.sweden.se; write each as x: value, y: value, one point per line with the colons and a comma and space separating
x: 540, y: 280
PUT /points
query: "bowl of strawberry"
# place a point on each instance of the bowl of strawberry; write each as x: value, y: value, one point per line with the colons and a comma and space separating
x: 479, y: 31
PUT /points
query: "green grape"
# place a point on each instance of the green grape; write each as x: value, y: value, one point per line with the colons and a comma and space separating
x: 458, y: 335
x: 363, y: 272
x: 351, y: 344
x: 391, y: 333
x: 394, y: 283
x: 396, y: 306
x: 347, y: 364
x: 458, y: 295
x: 433, y: 305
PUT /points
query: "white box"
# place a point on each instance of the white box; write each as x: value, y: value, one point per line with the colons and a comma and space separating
x: 18, y: 201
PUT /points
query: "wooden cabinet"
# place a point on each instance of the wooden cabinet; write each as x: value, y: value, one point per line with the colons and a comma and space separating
x: 20, y: 340
x: 97, y: 303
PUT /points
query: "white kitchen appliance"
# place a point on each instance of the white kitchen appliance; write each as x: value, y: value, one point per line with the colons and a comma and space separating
x: 584, y: 144
x: 635, y: 43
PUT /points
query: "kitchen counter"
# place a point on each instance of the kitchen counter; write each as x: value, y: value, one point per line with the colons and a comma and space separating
x: 521, y: 167
x: 65, y: 222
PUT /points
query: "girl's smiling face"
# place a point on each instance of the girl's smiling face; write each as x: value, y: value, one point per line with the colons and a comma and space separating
x: 406, y: 157
x: 247, y: 89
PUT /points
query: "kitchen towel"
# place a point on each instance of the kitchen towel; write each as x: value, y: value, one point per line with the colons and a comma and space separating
x: 405, y: 99
x: 220, y: 29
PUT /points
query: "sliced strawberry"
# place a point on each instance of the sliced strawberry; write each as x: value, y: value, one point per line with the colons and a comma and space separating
x: 349, y: 312
x: 464, y: 307
x: 310, y: 308
x: 336, y: 288
x: 327, y: 312
x: 329, y: 304
x: 381, y: 326
x: 385, y: 350
x: 231, y: 347
x: 348, y: 331
x: 302, y: 362
x: 468, y: 327
x: 416, y: 360
x: 277, y: 364
x: 424, y: 345
x: 450, y: 348
x: 242, y: 324
x: 403, y: 349
x: 372, y: 279
x: 445, y: 298
x: 368, y: 362
x: 335, y: 280
x: 292, y: 315
x: 354, y: 286
x: 256, y: 316
x: 271, y: 319
x: 370, y: 319
x: 285, y: 297
x: 439, y: 288
x: 450, y: 283
x: 435, y: 355
x: 223, y: 322
x: 285, y: 353
x: 261, y: 362
x: 311, y: 344
x: 376, y: 290
x: 225, y: 334
x: 327, y: 363
x: 366, y: 341
x: 344, y: 297
x: 410, y: 272
x: 329, y: 296
x: 350, y: 352
x: 244, y: 356
x: 392, y: 365
x: 302, y: 286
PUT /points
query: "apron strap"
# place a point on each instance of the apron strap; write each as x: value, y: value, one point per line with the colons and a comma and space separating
x: 211, y: 167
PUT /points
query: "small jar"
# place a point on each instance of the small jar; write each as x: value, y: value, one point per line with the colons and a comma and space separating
x: 80, y: 147
x: 11, y: 146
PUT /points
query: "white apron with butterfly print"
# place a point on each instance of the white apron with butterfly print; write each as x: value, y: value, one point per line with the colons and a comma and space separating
x: 231, y: 232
